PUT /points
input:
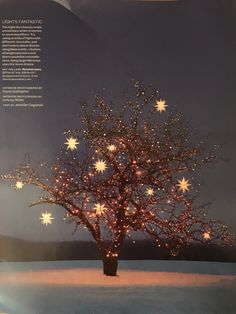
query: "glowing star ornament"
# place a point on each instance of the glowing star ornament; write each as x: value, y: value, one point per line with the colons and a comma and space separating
x: 206, y: 235
x: 149, y: 192
x: 19, y: 185
x: 99, y: 208
x: 160, y: 105
x: 71, y: 143
x: 46, y: 218
x: 111, y: 148
x: 184, y: 185
x: 100, y: 166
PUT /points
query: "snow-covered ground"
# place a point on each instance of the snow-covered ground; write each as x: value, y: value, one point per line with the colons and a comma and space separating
x: 142, y: 287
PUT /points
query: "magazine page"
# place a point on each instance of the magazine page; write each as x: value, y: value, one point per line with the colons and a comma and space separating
x: 117, y: 156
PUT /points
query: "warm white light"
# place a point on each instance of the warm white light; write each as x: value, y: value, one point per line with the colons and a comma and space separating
x: 65, y: 3
x: 111, y: 148
x: 100, y: 165
x: 71, y: 143
x: 46, y: 218
x: 184, y: 185
x: 161, y: 105
x: 206, y: 235
x: 19, y: 185
x: 99, y: 208
x: 149, y: 192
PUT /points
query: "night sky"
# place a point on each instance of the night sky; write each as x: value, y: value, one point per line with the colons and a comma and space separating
x: 184, y: 48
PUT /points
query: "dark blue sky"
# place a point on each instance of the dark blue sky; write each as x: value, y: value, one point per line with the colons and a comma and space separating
x: 186, y: 49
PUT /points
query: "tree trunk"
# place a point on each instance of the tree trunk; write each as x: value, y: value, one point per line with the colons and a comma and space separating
x: 110, y: 266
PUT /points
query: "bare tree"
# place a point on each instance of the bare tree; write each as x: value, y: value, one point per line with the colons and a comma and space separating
x: 129, y: 170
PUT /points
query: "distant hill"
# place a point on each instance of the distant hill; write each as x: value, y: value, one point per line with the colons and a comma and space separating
x: 12, y: 249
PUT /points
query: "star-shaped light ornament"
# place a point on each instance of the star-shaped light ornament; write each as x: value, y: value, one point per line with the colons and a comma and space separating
x: 99, y: 208
x: 19, y: 185
x: 149, y: 192
x: 46, y: 218
x: 184, y: 185
x: 161, y: 105
x: 206, y: 235
x: 100, y: 165
x: 111, y: 148
x: 71, y: 143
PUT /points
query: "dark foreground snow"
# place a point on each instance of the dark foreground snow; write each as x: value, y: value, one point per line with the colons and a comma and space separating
x: 152, y: 287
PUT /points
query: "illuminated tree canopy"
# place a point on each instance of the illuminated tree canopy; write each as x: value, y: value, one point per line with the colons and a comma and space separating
x: 129, y: 169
